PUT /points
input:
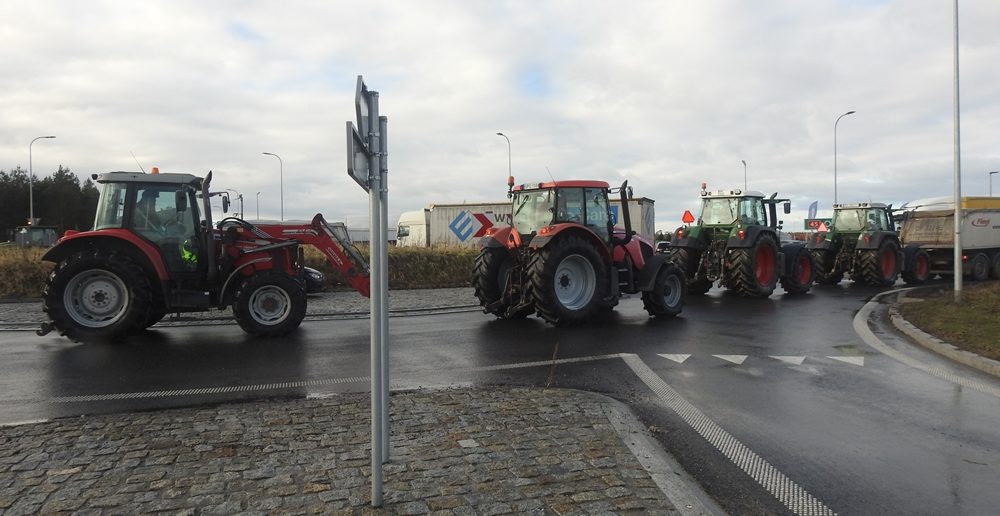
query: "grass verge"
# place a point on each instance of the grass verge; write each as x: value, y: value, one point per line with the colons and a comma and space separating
x: 973, y: 325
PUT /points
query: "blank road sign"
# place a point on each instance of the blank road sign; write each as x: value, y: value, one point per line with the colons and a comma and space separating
x: 357, y: 157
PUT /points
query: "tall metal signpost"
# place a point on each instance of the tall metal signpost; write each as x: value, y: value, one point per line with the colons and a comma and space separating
x: 367, y: 164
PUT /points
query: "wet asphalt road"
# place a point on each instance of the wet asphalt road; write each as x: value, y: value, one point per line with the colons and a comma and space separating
x: 842, y: 424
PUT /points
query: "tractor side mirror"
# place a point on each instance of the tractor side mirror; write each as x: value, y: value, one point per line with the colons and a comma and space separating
x: 630, y: 192
x: 225, y: 204
x: 788, y: 208
x: 180, y: 201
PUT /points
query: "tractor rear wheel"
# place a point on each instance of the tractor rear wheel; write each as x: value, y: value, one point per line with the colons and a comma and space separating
x: 567, y: 280
x: 490, y: 275
x: 754, y: 270
x: 682, y: 258
x: 918, y: 272
x: 269, y: 304
x: 667, y: 297
x: 826, y: 262
x: 96, y: 295
x: 803, y: 273
x: 878, y: 267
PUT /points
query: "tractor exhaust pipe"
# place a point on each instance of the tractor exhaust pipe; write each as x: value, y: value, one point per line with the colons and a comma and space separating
x: 623, y: 191
x: 209, y: 237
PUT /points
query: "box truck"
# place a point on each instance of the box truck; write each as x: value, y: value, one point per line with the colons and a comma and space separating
x: 930, y: 223
x: 463, y: 224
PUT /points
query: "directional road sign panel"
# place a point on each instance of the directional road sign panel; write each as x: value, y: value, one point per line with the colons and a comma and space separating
x: 357, y: 157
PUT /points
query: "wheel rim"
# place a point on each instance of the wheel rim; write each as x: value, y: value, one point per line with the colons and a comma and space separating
x: 270, y: 305
x: 575, y: 282
x: 672, y: 290
x: 805, y: 269
x: 888, y: 262
x: 764, y: 265
x: 96, y: 298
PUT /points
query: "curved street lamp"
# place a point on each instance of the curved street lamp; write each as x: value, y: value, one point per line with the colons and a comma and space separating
x: 258, y: 205
x: 990, y: 176
x: 508, y: 153
x: 835, y: 154
x: 281, y: 181
x: 744, y: 174
x: 31, y: 180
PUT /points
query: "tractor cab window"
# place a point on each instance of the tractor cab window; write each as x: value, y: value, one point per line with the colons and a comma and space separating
x: 569, y: 205
x: 532, y: 210
x: 720, y: 211
x: 878, y: 221
x: 111, y: 207
x: 598, y: 217
x: 156, y: 217
x: 849, y: 220
x: 752, y: 211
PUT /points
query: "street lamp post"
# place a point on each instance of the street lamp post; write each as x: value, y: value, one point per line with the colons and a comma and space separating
x: 281, y: 183
x: 744, y: 174
x: 835, y: 154
x: 990, y: 176
x: 258, y: 205
x: 509, y: 173
x: 31, y: 181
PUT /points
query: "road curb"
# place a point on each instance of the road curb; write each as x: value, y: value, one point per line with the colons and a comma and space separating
x: 939, y: 346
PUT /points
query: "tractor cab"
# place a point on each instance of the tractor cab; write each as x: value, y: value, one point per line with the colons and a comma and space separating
x: 857, y: 218
x: 539, y: 208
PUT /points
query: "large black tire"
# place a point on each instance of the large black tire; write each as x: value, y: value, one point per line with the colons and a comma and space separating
x: 878, y: 267
x: 995, y: 267
x: 803, y: 272
x: 97, y: 296
x: 568, y: 280
x: 683, y: 259
x: 270, y: 304
x: 754, y: 270
x: 980, y: 268
x: 489, y: 277
x: 667, y: 297
x: 919, y: 271
x: 825, y: 264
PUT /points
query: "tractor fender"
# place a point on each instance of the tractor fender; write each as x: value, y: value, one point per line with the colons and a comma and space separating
x: 818, y: 242
x: 875, y: 239
x: 638, y: 250
x: 647, y: 275
x: 226, y: 295
x: 559, y: 230
x: 790, y: 257
x: 124, y: 241
x: 752, y: 233
x: 500, y: 237
x: 691, y: 242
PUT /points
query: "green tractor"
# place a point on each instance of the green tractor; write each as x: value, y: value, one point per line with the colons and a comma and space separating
x: 737, y: 241
x: 863, y: 242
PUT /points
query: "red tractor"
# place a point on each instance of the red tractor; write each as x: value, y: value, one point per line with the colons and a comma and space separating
x: 564, y: 259
x: 154, y: 251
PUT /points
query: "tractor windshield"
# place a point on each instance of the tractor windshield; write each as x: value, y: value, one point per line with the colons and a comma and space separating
x: 849, y: 220
x: 724, y: 211
x: 532, y: 210
x: 111, y: 206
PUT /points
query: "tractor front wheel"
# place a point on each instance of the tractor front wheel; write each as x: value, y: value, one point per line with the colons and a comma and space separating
x: 754, y: 270
x: 269, y: 304
x: 879, y: 267
x: 667, y: 297
x: 490, y: 276
x: 95, y: 295
x: 567, y: 280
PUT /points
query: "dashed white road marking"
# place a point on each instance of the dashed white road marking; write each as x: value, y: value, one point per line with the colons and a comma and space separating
x: 858, y: 361
x: 736, y: 359
x: 676, y: 358
x: 789, y: 359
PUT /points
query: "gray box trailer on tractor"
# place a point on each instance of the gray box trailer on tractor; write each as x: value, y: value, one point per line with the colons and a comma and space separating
x: 930, y: 223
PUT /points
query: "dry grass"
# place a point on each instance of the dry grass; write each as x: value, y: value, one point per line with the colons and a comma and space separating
x: 973, y: 325
x: 22, y: 273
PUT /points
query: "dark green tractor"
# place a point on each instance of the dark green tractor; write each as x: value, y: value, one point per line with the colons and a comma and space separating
x: 737, y: 242
x: 863, y: 242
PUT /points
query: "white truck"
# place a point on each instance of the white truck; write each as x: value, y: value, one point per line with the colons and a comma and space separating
x: 463, y: 224
x: 930, y: 223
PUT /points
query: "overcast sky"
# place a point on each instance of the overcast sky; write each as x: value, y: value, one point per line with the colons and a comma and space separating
x: 666, y: 94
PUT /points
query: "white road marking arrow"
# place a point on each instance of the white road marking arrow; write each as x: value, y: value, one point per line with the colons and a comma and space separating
x: 677, y: 358
x: 858, y: 361
x: 736, y: 359
x: 789, y: 360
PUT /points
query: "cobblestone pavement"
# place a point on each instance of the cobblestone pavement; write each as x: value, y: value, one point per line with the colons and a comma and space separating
x: 341, y: 302
x: 472, y: 451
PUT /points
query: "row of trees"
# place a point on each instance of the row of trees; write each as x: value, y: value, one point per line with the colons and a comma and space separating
x: 60, y: 201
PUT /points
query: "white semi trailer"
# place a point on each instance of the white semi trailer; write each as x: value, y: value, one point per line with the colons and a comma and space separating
x: 463, y: 224
x: 930, y: 223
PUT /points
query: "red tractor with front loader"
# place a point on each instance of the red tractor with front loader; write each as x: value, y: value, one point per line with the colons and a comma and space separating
x: 154, y: 250
x: 564, y: 259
